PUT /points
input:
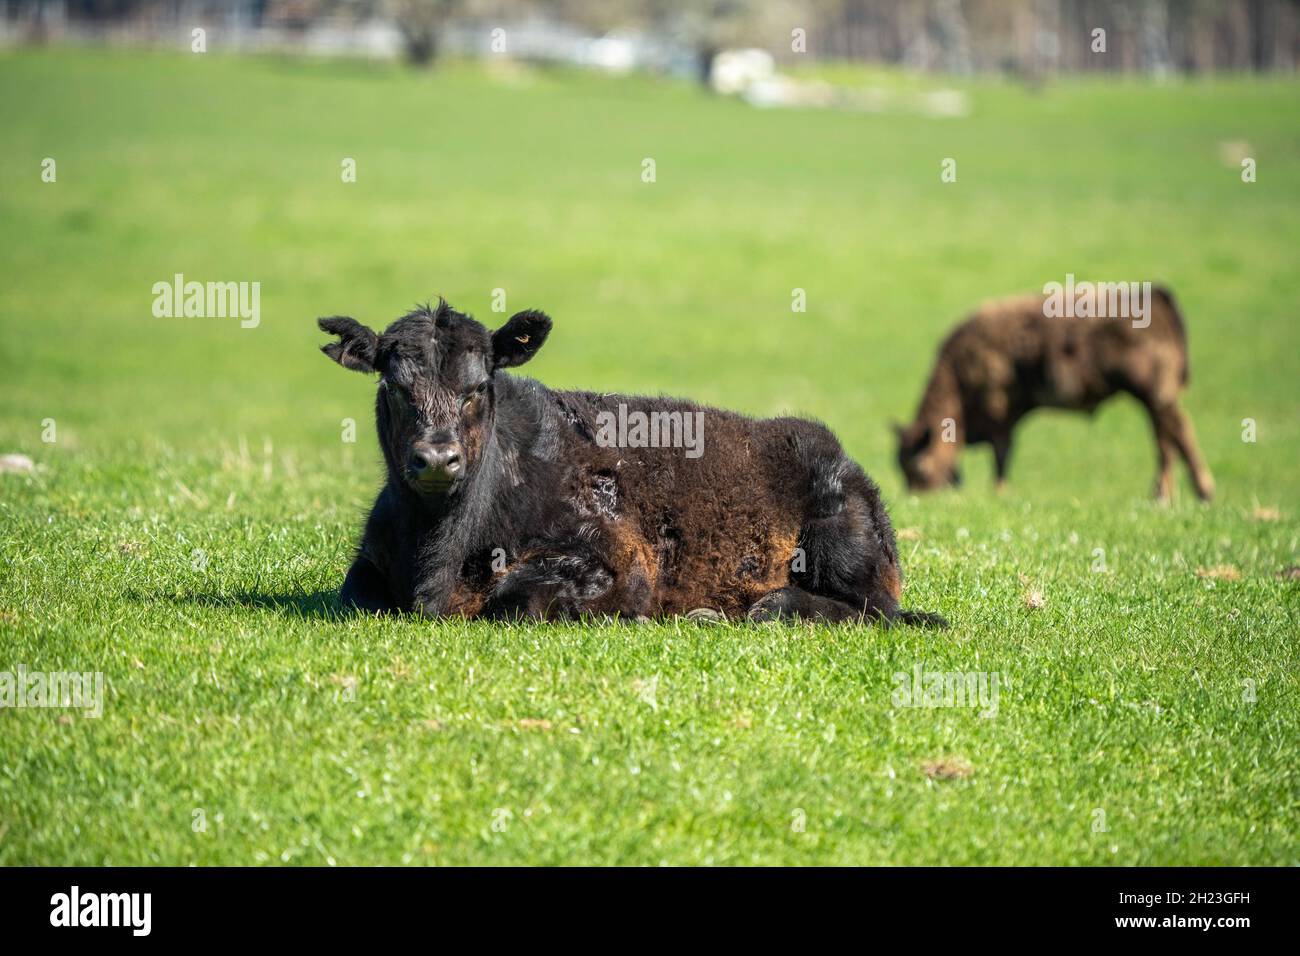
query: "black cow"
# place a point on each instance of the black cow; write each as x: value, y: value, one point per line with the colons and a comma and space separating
x: 506, y: 499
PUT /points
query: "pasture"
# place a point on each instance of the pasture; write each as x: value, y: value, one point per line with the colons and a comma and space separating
x: 189, y: 521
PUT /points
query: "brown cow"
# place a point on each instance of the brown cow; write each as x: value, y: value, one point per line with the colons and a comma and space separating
x: 1016, y: 354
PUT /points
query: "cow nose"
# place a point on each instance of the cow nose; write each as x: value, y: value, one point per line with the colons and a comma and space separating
x: 435, y: 461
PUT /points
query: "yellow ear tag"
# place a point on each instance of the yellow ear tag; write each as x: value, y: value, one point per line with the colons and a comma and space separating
x: 522, y: 339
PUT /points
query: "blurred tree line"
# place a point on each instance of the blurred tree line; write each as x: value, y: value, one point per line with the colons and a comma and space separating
x: 1028, y: 37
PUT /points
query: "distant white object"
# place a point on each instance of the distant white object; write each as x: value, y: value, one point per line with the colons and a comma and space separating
x: 16, y: 464
x: 736, y: 71
x: 767, y: 93
x: 782, y: 91
x: 615, y: 53
x: 945, y: 103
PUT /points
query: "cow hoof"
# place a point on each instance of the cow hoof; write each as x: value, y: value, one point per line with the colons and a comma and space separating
x: 705, y: 615
x: 770, y: 607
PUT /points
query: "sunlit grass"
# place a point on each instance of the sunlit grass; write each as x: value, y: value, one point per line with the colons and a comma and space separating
x: 186, y: 530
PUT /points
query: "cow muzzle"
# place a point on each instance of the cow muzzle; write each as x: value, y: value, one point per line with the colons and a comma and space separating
x: 435, y: 467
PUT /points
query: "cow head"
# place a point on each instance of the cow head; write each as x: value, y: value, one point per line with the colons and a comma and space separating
x: 927, y: 463
x: 436, y: 406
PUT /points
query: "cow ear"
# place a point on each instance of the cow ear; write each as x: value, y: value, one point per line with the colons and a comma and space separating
x: 357, y: 345
x: 519, y: 339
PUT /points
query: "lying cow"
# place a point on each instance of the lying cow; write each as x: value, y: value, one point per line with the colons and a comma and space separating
x: 1010, y: 357
x: 506, y: 499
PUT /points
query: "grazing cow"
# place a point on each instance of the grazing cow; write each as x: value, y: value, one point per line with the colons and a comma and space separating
x: 505, y: 499
x: 1010, y: 357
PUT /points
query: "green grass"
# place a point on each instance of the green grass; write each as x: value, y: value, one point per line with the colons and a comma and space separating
x: 185, y: 532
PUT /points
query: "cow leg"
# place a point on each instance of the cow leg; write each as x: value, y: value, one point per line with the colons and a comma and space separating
x: 1165, y: 476
x: 1179, y: 428
x: 366, y: 589
x: 793, y: 602
x: 554, y: 583
x: 850, y: 568
x: 1001, y: 457
x: 1165, y: 448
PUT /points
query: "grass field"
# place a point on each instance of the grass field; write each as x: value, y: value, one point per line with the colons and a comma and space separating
x: 186, y: 529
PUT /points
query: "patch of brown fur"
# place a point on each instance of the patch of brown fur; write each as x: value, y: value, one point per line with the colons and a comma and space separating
x: 891, y: 581
x: 466, y: 600
x: 632, y: 552
x: 636, y: 571
x: 718, y: 531
x: 730, y: 578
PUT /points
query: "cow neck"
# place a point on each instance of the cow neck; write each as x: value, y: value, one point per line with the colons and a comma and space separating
x: 942, y: 399
x: 452, y: 529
